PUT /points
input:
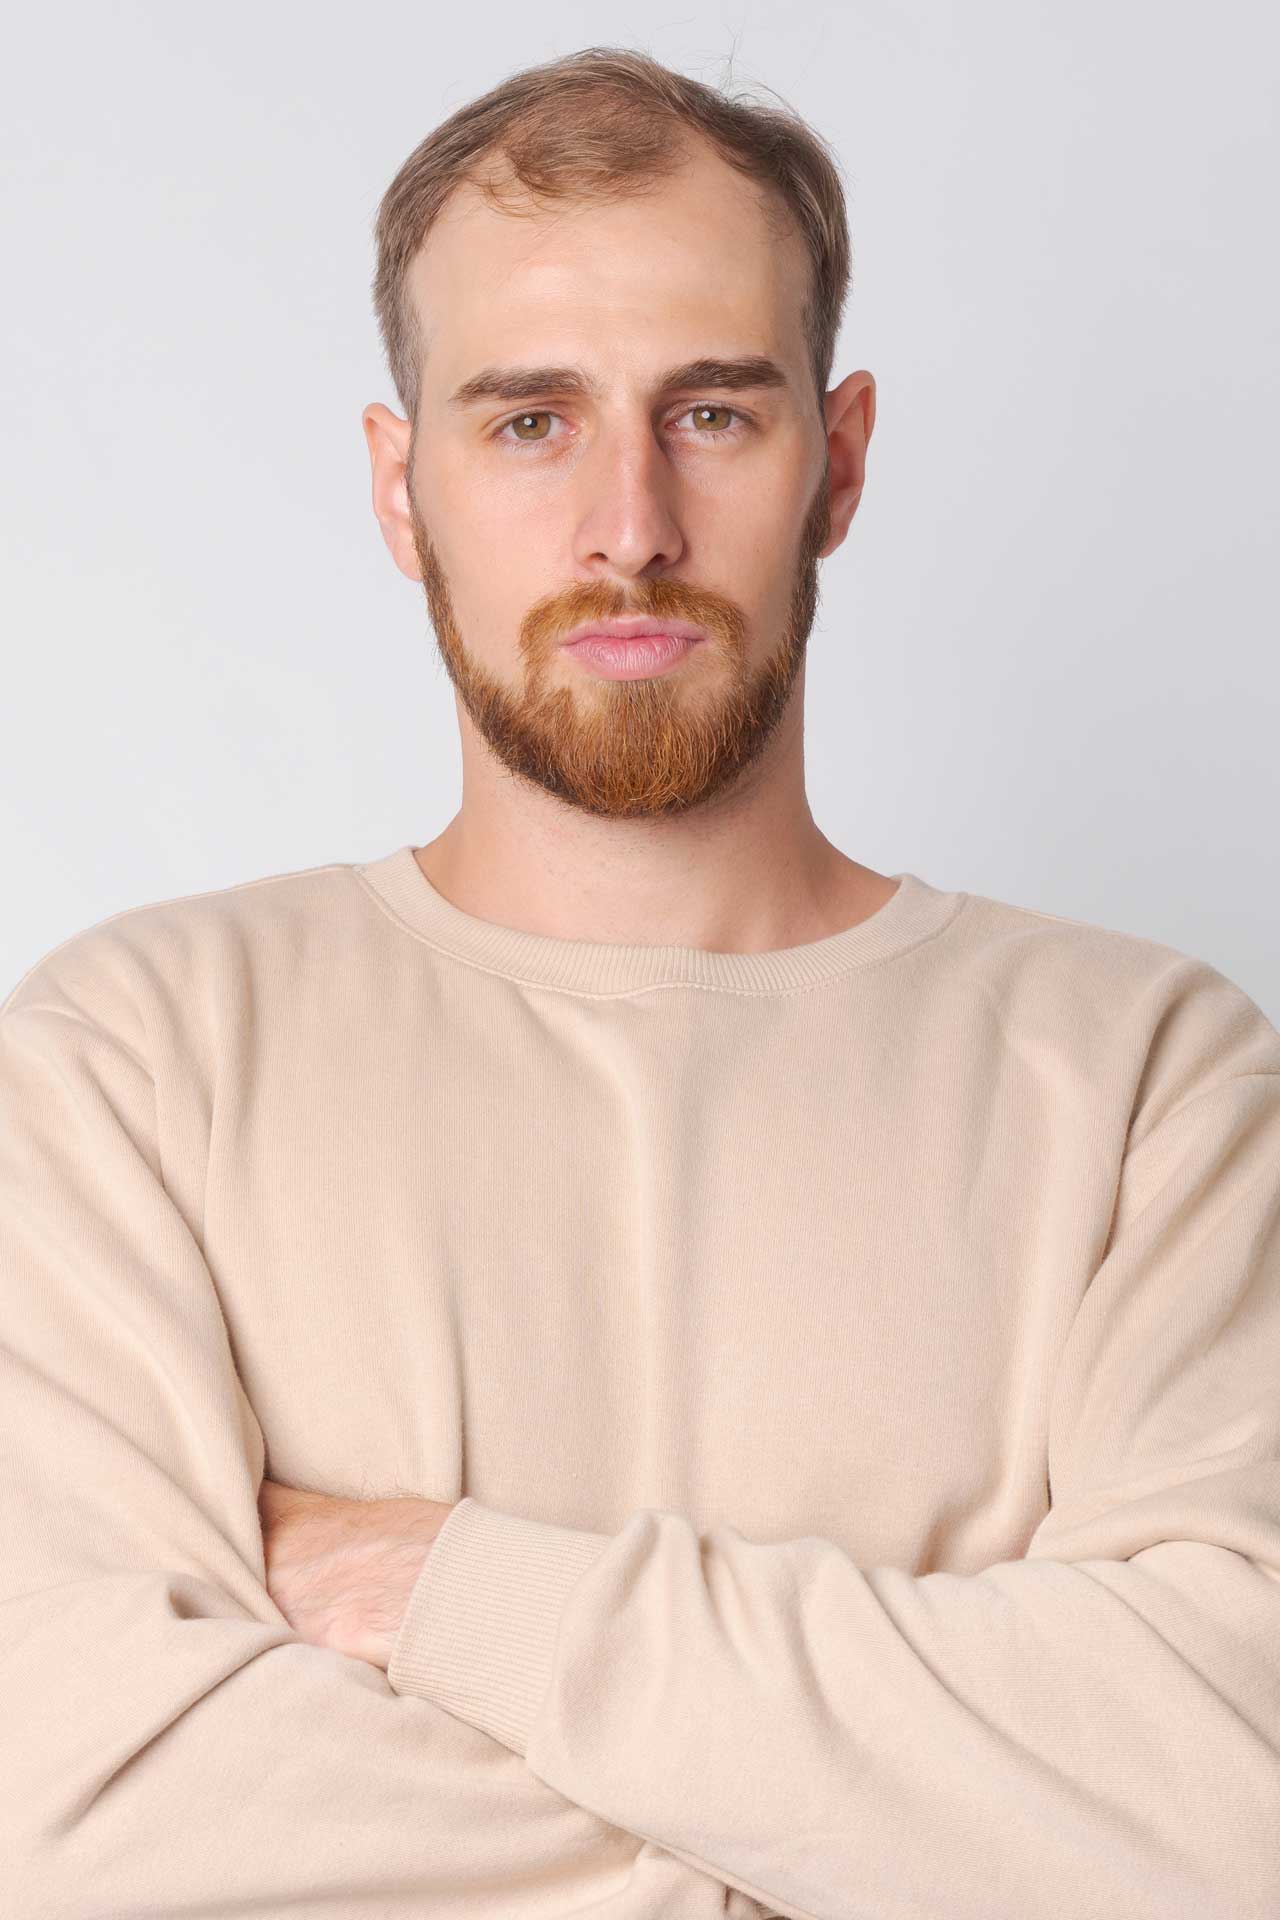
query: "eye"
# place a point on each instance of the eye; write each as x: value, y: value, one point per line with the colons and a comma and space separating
x: 715, y: 433
x: 521, y: 420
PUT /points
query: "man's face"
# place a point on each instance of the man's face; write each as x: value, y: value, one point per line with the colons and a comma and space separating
x: 542, y: 507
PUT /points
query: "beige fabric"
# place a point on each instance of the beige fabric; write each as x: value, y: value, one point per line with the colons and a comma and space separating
x: 857, y: 1368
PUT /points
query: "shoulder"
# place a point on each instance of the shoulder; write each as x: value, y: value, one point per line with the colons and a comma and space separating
x: 178, y: 945
x: 1118, y: 996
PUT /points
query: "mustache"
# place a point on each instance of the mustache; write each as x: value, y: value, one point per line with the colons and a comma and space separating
x: 550, y: 618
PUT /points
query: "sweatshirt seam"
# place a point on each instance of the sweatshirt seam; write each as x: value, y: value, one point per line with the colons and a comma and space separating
x: 657, y: 986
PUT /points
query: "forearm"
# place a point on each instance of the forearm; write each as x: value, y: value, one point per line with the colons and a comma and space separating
x: 165, y: 1753
x: 169, y: 1744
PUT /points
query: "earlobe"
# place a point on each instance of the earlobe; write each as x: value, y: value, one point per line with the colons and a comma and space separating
x: 842, y: 512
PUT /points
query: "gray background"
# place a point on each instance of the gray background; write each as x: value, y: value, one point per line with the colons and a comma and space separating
x: 1045, y: 666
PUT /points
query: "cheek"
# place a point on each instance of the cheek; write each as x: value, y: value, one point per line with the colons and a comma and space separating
x: 512, y: 545
x: 492, y: 592
x: 757, y: 506
x: 749, y: 540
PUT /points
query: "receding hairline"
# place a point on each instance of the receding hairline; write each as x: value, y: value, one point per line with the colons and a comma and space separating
x: 493, y: 187
x: 633, y: 121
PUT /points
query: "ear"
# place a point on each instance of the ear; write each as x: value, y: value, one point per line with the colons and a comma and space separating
x: 850, y: 412
x: 389, y: 442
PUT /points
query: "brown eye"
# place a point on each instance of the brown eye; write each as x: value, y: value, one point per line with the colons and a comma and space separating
x: 725, y: 412
x: 522, y: 419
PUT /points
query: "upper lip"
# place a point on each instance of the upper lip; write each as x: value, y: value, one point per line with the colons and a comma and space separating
x: 629, y: 626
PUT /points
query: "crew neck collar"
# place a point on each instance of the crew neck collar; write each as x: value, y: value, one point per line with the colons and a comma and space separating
x: 911, y: 914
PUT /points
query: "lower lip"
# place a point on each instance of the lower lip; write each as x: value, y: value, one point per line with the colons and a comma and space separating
x: 631, y: 659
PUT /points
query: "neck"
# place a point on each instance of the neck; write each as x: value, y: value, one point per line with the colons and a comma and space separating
x: 748, y: 873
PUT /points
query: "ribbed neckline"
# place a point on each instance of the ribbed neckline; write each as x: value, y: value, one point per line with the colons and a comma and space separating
x: 909, y: 916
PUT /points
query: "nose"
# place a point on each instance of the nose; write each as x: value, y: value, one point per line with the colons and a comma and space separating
x: 628, y: 520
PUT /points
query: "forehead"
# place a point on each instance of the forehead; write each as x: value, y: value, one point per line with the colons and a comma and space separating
x: 688, y: 264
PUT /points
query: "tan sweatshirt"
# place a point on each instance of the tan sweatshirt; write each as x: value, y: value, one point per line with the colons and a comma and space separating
x: 857, y: 1367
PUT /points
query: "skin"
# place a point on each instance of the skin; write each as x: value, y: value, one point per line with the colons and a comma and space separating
x: 341, y: 1571
x: 669, y: 810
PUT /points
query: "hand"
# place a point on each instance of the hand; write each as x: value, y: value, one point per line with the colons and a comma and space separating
x: 341, y: 1571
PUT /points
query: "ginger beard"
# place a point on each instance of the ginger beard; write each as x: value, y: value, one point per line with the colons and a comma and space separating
x: 632, y: 748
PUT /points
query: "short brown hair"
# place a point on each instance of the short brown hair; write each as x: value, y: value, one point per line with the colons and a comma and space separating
x: 598, y: 124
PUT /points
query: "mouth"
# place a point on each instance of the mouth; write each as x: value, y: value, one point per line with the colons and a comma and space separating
x: 636, y: 654
x: 635, y: 626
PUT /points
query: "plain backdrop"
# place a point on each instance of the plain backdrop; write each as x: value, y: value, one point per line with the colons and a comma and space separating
x: 1045, y: 666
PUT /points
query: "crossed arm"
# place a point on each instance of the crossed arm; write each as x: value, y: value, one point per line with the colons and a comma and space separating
x: 1094, y: 1727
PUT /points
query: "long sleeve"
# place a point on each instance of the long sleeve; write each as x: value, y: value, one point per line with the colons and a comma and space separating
x: 168, y: 1745
x: 1092, y: 1728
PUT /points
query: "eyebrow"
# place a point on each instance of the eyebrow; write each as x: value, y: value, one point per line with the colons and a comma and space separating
x: 522, y: 383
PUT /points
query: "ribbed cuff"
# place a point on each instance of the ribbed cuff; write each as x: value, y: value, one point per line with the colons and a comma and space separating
x: 479, y: 1633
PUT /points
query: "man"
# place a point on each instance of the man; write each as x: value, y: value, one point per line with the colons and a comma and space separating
x: 621, y: 1360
